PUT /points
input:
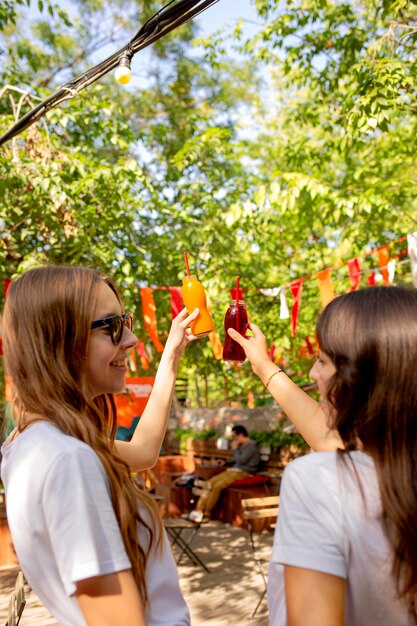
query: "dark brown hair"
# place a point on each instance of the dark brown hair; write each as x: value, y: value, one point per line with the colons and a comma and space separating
x: 371, y: 337
x: 47, y: 321
x: 240, y: 430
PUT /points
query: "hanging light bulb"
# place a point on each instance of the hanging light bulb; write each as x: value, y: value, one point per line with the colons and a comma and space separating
x: 123, y: 73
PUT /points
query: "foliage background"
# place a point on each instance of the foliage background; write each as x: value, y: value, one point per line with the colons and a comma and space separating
x: 271, y: 158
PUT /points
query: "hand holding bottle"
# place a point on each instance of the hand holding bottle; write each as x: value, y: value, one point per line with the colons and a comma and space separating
x: 256, y: 350
x: 180, y: 332
x: 236, y: 318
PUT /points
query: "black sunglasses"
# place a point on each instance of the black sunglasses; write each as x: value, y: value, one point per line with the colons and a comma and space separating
x: 115, y: 324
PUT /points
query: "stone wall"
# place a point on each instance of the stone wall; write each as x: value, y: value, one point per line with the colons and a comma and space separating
x: 259, y: 418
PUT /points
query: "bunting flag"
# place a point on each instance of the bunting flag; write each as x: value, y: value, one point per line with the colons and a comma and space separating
x: 216, y: 345
x: 412, y: 251
x: 143, y: 355
x: 177, y: 304
x: 149, y: 316
x: 215, y: 341
x: 284, y: 312
x: 383, y: 258
x: 272, y: 293
x: 385, y: 272
x: 378, y: 276
x: 391, y: 270
x: 309, y: 346
x: 354, y: 273
x: 371, y: 279
x: 296, y: 288
x: 326, y: 287
x: 278, y: 354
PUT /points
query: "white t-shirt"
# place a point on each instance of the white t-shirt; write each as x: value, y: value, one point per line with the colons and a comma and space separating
x: 64, y: 528
x: 326, y: 523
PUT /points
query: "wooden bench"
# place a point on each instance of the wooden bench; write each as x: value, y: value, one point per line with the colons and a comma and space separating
x: 229, y: 506
x: 177, y: 498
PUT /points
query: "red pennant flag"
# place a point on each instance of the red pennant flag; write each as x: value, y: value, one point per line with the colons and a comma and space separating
x: 143, y: 355
x: 296, y: 288
x: 149, y: 316
x: 383, y: 258
x: 309, y: 346
x: 354, y: 273
x: 176, y: 301
x: 371, y: 279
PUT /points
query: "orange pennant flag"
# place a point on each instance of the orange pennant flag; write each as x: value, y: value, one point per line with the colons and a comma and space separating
x: 383, y: 258
x: 326, y: 287
x: 149, y: 316
x: 143, y: 355
x: 215, y: 341
x: 216, y: 345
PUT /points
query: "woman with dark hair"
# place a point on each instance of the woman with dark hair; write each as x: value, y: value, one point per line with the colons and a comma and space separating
x: 345, y: 549
x: 89, y: 540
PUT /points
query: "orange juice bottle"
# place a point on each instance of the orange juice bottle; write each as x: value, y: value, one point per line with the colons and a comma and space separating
x: 194, y: 296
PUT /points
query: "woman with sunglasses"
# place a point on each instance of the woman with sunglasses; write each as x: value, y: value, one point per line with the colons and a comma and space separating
x: 345, y: 549
x: 89, y: 541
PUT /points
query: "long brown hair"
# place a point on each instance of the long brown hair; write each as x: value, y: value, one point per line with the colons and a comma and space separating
x: 371, y: 337
x: 47, y: 321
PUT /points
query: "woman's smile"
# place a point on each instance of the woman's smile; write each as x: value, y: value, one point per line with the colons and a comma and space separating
x: 106, y: 362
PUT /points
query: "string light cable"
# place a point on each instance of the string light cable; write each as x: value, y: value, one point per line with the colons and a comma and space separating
x: 171, y: 16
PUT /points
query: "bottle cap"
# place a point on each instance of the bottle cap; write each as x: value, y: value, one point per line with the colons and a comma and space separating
x: 190, y: 277
x: 239, y: 296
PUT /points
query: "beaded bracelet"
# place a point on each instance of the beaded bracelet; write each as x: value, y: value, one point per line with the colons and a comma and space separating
x: 271, y: 377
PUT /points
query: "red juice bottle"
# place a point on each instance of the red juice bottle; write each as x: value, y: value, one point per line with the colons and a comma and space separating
x: 237, y: 318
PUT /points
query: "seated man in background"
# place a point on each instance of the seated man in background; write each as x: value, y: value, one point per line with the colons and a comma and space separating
x: 244, y: 464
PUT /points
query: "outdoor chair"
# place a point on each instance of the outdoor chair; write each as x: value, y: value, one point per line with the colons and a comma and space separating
x: 176, y: 527
x: 16, y: 603
x: 255, y: 509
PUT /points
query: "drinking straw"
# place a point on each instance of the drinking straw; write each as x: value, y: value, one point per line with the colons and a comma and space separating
x: 186, y: 264
x: 237, y: 303
x: 237, y: 289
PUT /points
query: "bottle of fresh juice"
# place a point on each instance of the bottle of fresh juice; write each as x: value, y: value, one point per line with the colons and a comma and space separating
x: 193, y: 295
x: 237, y: 318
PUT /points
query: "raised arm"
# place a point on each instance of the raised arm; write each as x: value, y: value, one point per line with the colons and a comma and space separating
x: 143, y: 450
x: 304, y: 412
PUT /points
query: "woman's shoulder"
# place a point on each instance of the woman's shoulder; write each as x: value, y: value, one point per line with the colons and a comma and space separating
x: 313, y: 461
x: 45, y: 441
x: 329, y: 468
x: 329, y: 459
